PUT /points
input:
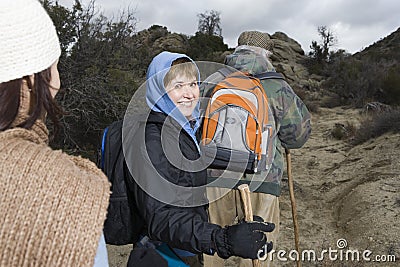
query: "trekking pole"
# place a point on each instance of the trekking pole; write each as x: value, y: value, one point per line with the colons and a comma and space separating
x: 248, y: 211
x: 293, y: 202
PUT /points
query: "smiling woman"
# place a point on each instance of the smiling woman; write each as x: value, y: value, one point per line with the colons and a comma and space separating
x: 182, y: 86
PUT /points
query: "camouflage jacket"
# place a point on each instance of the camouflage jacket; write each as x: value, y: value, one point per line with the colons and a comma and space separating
x: 292, y: 120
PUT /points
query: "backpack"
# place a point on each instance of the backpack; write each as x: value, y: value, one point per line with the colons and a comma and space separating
x: 121, y: 226
x: 238, y: 126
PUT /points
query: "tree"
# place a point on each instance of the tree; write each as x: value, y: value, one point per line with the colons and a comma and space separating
x: 209, y: 23
x: 64, y: 20
x: 320, y: 54
x: 95, y: 70
x: 205, y: 47
x: 320, y: 51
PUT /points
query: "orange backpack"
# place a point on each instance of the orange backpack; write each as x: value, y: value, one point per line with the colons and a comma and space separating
x: 238, y: 127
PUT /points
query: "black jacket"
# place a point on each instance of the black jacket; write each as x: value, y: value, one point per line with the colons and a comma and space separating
x: 180, y: 223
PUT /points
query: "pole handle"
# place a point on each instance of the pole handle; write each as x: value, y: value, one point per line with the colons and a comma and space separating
x: 248, y: 211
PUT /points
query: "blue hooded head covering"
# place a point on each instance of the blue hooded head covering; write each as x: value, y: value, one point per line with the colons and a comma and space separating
x: 157, y: 98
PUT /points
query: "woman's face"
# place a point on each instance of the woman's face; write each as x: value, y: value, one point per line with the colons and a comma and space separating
x: 55, y: 82
x: 184, y: 92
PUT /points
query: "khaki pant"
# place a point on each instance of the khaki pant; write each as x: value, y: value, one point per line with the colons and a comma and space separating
x: 227, y: 211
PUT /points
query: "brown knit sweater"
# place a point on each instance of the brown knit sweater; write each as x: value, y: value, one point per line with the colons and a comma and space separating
x: 52, y: 205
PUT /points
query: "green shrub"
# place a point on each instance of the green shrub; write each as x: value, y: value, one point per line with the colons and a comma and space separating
x: 377, y: 125
x: 343, y: 131
x: 203, y: 46
x: 391, y: 86
x: 312, y: 106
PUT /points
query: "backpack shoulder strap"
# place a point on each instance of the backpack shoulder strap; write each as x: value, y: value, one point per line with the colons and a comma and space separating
x: 111, y: 145
x: 208, y: 84
x: 269, y: 75
x: 225, y: 71
x: 102, y: 150
x: 262, y: 76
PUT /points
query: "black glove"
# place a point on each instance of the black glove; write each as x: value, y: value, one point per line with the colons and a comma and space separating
x: 244, y: 239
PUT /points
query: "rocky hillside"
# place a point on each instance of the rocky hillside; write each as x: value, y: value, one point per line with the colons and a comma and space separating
x: 288, y: 56
x: 388, y: 48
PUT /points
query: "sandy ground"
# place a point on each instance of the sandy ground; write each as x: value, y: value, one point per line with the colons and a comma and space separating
x: 345, y: 193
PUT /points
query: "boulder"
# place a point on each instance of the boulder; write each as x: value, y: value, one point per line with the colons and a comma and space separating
x: 288, y: 57
x: 173, y: 42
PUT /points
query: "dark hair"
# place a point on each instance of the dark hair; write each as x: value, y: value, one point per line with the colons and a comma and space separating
x: 41, y: 101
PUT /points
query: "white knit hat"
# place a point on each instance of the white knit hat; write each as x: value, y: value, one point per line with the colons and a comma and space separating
x: 28, y: 39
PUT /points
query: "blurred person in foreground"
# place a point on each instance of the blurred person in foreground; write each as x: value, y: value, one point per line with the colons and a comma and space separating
x: 52, y: 205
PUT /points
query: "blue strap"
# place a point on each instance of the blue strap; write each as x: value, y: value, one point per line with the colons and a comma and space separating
x: 183, y: 253
x: 103, y: 145
x: 170, y: 256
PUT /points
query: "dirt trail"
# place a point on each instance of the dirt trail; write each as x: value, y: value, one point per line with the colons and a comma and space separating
x: 342, y: 192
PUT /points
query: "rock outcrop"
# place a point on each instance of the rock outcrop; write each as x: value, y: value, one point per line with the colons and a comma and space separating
x: 172, y: 42
x: 289, y: 58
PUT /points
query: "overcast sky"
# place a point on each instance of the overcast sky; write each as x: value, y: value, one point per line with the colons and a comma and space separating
x: 356, y: 23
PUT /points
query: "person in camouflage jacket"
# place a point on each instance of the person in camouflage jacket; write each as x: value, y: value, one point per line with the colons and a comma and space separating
x: 293, y: 128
